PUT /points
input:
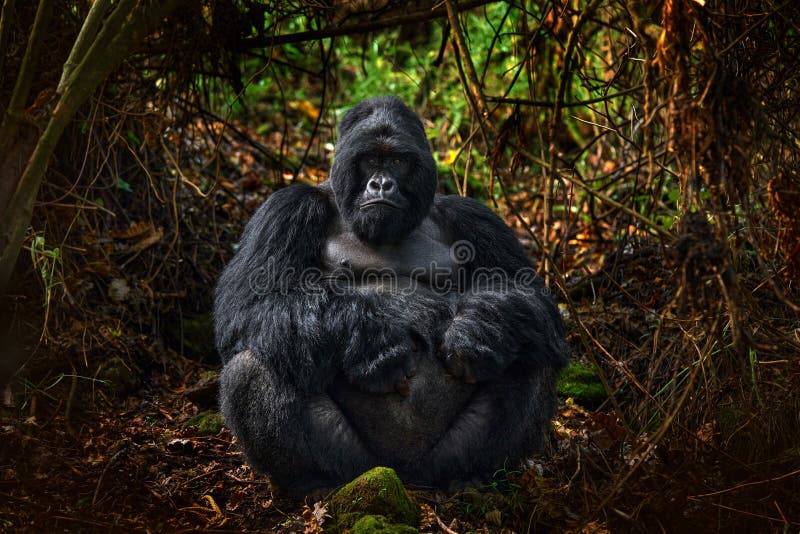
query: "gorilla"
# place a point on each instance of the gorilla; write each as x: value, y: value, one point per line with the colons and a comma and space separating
x: 371, y: 321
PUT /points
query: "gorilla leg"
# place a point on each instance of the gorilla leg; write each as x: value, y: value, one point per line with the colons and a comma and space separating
x: 301, y: 440
x: 506, y: 419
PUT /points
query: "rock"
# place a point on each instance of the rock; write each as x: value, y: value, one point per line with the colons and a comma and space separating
x: 119, y: 290
x: 119, y: 378
x: 197, y: 340
x: 204, y: 392
x: 378, y: 492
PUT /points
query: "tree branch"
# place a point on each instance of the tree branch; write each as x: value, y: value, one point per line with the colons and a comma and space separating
x: 5, y: 24
x: 85, y: 38
x: 22, y: 87
x: 563, y: 105
x: 473, y: 85
x: 355, y: 29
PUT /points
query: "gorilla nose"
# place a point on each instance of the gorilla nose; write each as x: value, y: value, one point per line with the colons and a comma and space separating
x: 381, y: 184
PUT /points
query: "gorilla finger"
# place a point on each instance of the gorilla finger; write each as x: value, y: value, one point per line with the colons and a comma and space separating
x: 410, y: 367
x: 454, y: 365
x: 469, y: 375
x: 402, y: 388
x: 418, y: 342
x: 461, y: 368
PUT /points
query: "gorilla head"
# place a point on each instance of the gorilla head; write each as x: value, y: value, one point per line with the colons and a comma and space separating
x: 383, y: 175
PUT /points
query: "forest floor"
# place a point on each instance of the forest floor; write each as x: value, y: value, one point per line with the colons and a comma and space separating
x: 140, y: 464
x: 111, y: 428
x: 150, y: 454
x: 145, y: 461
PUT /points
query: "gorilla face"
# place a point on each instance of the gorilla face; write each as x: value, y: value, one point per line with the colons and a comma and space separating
x: 383, y: 176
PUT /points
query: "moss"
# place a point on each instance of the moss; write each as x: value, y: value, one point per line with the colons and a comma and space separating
x: 198, y: 336
x: 580, y: 382
x: 208, y: 423
x: 118, y: 377
x: 372, y: 524
x: 376, y: 492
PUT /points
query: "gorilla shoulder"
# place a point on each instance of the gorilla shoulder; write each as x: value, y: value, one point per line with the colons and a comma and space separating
x: 282, y: 238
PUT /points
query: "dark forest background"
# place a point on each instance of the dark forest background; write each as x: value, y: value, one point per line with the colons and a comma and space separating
x: 646, y: 154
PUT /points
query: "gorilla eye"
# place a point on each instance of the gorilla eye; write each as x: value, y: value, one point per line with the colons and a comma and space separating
x: 396, y: 162
x: 372, y: 160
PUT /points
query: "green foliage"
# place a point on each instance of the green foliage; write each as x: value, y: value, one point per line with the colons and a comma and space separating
x: 386, y: 65
x: 47, y: 260
x: 124, y: 186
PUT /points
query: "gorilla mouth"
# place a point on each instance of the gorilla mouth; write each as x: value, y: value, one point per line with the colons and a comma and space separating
x: 379, y: 202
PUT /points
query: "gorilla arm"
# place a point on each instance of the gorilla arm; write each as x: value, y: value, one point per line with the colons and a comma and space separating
x: 257, y: 305
x: 498, y: 321
x: 506, y: 336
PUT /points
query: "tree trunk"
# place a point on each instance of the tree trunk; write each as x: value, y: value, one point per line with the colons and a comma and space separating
x: 98, y: 50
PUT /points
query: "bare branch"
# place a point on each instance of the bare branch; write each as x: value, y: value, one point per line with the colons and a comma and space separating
x: 357, y: 29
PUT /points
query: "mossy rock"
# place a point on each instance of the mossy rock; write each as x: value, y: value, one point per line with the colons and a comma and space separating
x: 208, y: 423
x: 580, y: 382
x: 378, y: 524
x: 198, y: 336
x: 118, y: 377
x: 378, y: 492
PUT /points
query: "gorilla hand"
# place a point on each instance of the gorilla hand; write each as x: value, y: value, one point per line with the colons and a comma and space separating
x: 480, y: 342
x: 380, y: 358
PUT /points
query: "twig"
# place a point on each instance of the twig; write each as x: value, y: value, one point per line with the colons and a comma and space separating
x: 124, y: 26
x: 84, y: 521
x: 750, y: 514
x: 73, y: 388
x: 244, y: 136
x: 550, y: 170
x: 212, y: 472
x: 111, y: 462
x: 655, y: 439
x: 562, y: 105
x: 602, y: 196
x: 444, y: 527
x: 326, y: 59
x: 747, y: 484
x: 473, y: 85
x: 752, y: 27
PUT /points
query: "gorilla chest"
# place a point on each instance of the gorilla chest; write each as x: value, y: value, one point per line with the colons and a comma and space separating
x: 422, y: 257
x: 399, y: 430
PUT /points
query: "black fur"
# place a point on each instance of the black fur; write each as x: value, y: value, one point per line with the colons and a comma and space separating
x: 382, y: 125
x: 323, y: 380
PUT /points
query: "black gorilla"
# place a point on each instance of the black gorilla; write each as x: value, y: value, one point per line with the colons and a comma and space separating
x: 368, y: 321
